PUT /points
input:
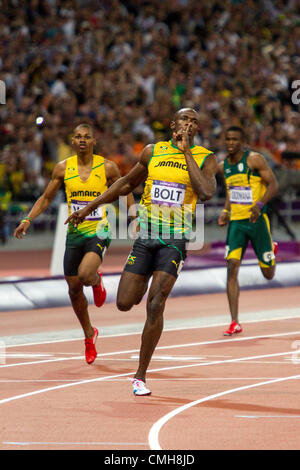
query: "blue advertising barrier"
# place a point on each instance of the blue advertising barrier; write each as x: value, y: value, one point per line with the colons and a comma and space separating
x: 38, y: 293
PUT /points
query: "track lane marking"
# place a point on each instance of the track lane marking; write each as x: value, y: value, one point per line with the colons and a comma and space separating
x: 166, y: 328
x: 128, y: 374
x: 266, y: 416
x: 176, y: 346
x: 155, y: 429
x: 25, y: 443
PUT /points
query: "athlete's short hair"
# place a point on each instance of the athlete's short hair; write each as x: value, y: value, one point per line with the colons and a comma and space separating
x: 237, y: 129
x: 84, y: 124
x: 182, y: 110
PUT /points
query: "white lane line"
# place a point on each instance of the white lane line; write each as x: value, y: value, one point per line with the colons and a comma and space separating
x: 75, y: 443
x: 125, y: 379
x: 268, y: 362
x: 267, y: 416
x: 174, y: 346
x: 29, y: 363
x: 25, y: 355
x: 136, y: 329
x: 155, y: 429
x: 175, y: 358
x: 38, y: 380
x: 37, y: 354
x: 128, y: 374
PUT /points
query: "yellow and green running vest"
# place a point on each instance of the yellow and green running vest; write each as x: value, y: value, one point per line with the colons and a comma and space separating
x: 80, y: 193
x: 244, y: 186
x: 168, y: 201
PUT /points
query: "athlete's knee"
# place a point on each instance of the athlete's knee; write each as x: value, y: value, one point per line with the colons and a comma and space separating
x: 124, y: 304
x: 156, y: 305
x: 139, y: 296
x: 75, y: 292
x: 138, y: 300
x: 86, y: 277
x: 268, y: 273
x: 154, y: 315
x: 233, y: 267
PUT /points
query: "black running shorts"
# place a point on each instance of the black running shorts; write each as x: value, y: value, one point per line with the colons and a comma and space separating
x: 149, y: 255
x: 75, y: 253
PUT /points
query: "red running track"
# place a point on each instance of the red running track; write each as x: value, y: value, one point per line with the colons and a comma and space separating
x: 208, y: 391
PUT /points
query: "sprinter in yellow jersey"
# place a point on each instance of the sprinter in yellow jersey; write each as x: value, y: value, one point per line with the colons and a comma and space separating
x: 85, y: 176
x: 250, y: 185
x: 176, y: 173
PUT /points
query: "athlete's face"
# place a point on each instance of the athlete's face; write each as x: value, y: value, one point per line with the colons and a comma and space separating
x: 186, y: 119
x: 83, y: 140
x: 233, y: 142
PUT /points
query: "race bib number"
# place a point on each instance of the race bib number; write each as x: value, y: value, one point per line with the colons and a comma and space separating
x: 168, y: 194
x: 240, y: 195
x: 77, y: 205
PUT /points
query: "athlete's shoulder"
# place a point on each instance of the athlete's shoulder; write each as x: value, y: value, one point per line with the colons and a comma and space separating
x: 164, y: 142
x: 69, y: 166
x: 110, y: 165
x: 69, y: 159
x: 255, y: 159
x: 162, y: 145
x: 202, y: 150
x: 60, y: 169
x: 254, y: 154
x: 146, y: 155
x: 98, y: 160
x: 96, y: 155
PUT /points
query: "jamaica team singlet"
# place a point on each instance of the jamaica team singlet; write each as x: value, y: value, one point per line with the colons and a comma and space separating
x: 79, y: 193
x: 245, y: 187
x: 168, y: 201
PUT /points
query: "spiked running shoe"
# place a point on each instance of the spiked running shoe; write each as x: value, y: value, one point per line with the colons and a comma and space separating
x: 90, y: 350
x: 233, y: 329
x: 139, y: 387
x: 99, y: 292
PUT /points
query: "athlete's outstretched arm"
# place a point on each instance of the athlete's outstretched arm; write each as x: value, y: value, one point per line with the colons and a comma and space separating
x: 112, y: 172
x: 257, y: 162
x: 44, y: 200
x: 121, y: 187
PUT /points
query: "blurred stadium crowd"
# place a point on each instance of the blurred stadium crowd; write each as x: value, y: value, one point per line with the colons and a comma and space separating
x: 126, y: 66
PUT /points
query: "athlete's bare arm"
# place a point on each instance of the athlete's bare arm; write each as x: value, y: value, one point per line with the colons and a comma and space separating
x: 225, y: 214
x: 207, y: 178
x: 45, y: 199
x: 112, y: 173
x: 257, y: 162
x: 203, y: 180
x: 121, y: 187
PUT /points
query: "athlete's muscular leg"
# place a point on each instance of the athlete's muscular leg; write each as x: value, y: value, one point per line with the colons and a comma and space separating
x: 131, y: 290
x: 87, y: 270
x: 160, y: 289
x: 233, y: 288
x: 87, y: 276
x: 79, y: 304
